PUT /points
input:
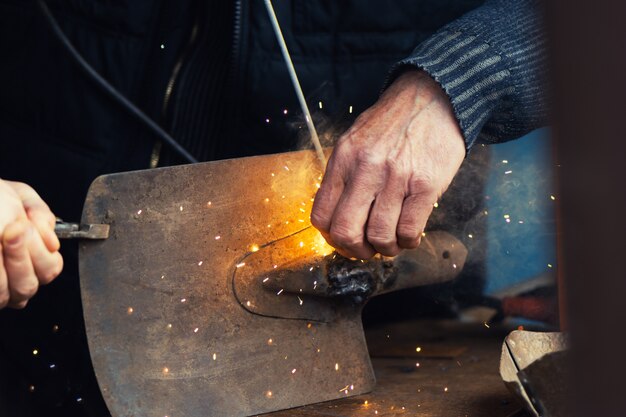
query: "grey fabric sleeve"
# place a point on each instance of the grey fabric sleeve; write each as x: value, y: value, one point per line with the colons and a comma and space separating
x: 491, y: 62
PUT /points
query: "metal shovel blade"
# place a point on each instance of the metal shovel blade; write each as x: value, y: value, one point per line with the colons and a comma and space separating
x: 167, y: 332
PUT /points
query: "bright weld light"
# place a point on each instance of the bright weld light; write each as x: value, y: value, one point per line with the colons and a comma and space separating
x: 208, y: 204
x: 336, y: 367
x: 200, y: 263
x: 552, y: 198
x: 285, y: 111
x: 418, y: 349
x: 436, y: 205
x: 254, y: 248
x: 130, y: 310
x: 196, y: 330
x: 267, y: 120
x: 215, y: 356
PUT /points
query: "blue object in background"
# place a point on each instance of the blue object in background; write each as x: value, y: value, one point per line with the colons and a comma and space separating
x: 521, y: 226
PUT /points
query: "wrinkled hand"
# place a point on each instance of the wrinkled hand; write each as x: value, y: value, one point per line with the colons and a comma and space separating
x: 29, y: 248
x: 388, y: 170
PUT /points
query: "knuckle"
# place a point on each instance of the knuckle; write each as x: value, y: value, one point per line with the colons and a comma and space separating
x: 370, y: 159
x: 423, y: 183
x: 26, y: 292
x: 408, y: 234
x: 49, y: 275
x: 380, y: 239
x: 345, y: 237
x: 397, y: 168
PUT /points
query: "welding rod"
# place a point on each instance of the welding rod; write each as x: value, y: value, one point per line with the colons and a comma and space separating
x: 296, y: 84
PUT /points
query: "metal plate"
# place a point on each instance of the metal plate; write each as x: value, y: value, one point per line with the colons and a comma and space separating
x: 167, y: 335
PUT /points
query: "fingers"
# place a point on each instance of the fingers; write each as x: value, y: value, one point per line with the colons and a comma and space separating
x: 22, y: 281
x: 39, y: 213
x: 328, y: 195
x: 415, y: 212
x: 47, y: 265
x: 349, y: 221
x: 383, y: 218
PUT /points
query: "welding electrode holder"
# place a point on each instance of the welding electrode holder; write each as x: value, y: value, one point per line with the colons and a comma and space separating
x: 65, y: 230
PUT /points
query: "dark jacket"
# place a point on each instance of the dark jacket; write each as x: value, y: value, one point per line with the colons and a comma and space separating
x: 211, y: 74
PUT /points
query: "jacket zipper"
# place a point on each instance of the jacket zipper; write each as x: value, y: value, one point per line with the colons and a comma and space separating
x: 169, y: 89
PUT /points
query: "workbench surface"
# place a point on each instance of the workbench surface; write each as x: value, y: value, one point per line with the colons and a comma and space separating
x: 457, y: 376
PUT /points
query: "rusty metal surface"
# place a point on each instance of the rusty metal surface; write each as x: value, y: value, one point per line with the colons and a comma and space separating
x: 166, y: 334
x: 289, y: 278
x: 532, y: 366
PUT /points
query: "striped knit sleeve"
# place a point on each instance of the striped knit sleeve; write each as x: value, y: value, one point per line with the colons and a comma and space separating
x: 491, y: 63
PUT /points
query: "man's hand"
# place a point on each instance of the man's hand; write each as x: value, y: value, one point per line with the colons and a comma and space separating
x: 29, y: 248
x: 389, y: 169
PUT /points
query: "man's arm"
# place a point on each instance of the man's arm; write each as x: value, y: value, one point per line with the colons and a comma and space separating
x: 477, y: 78
x: 491, y: 63
x: 29, y: 249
